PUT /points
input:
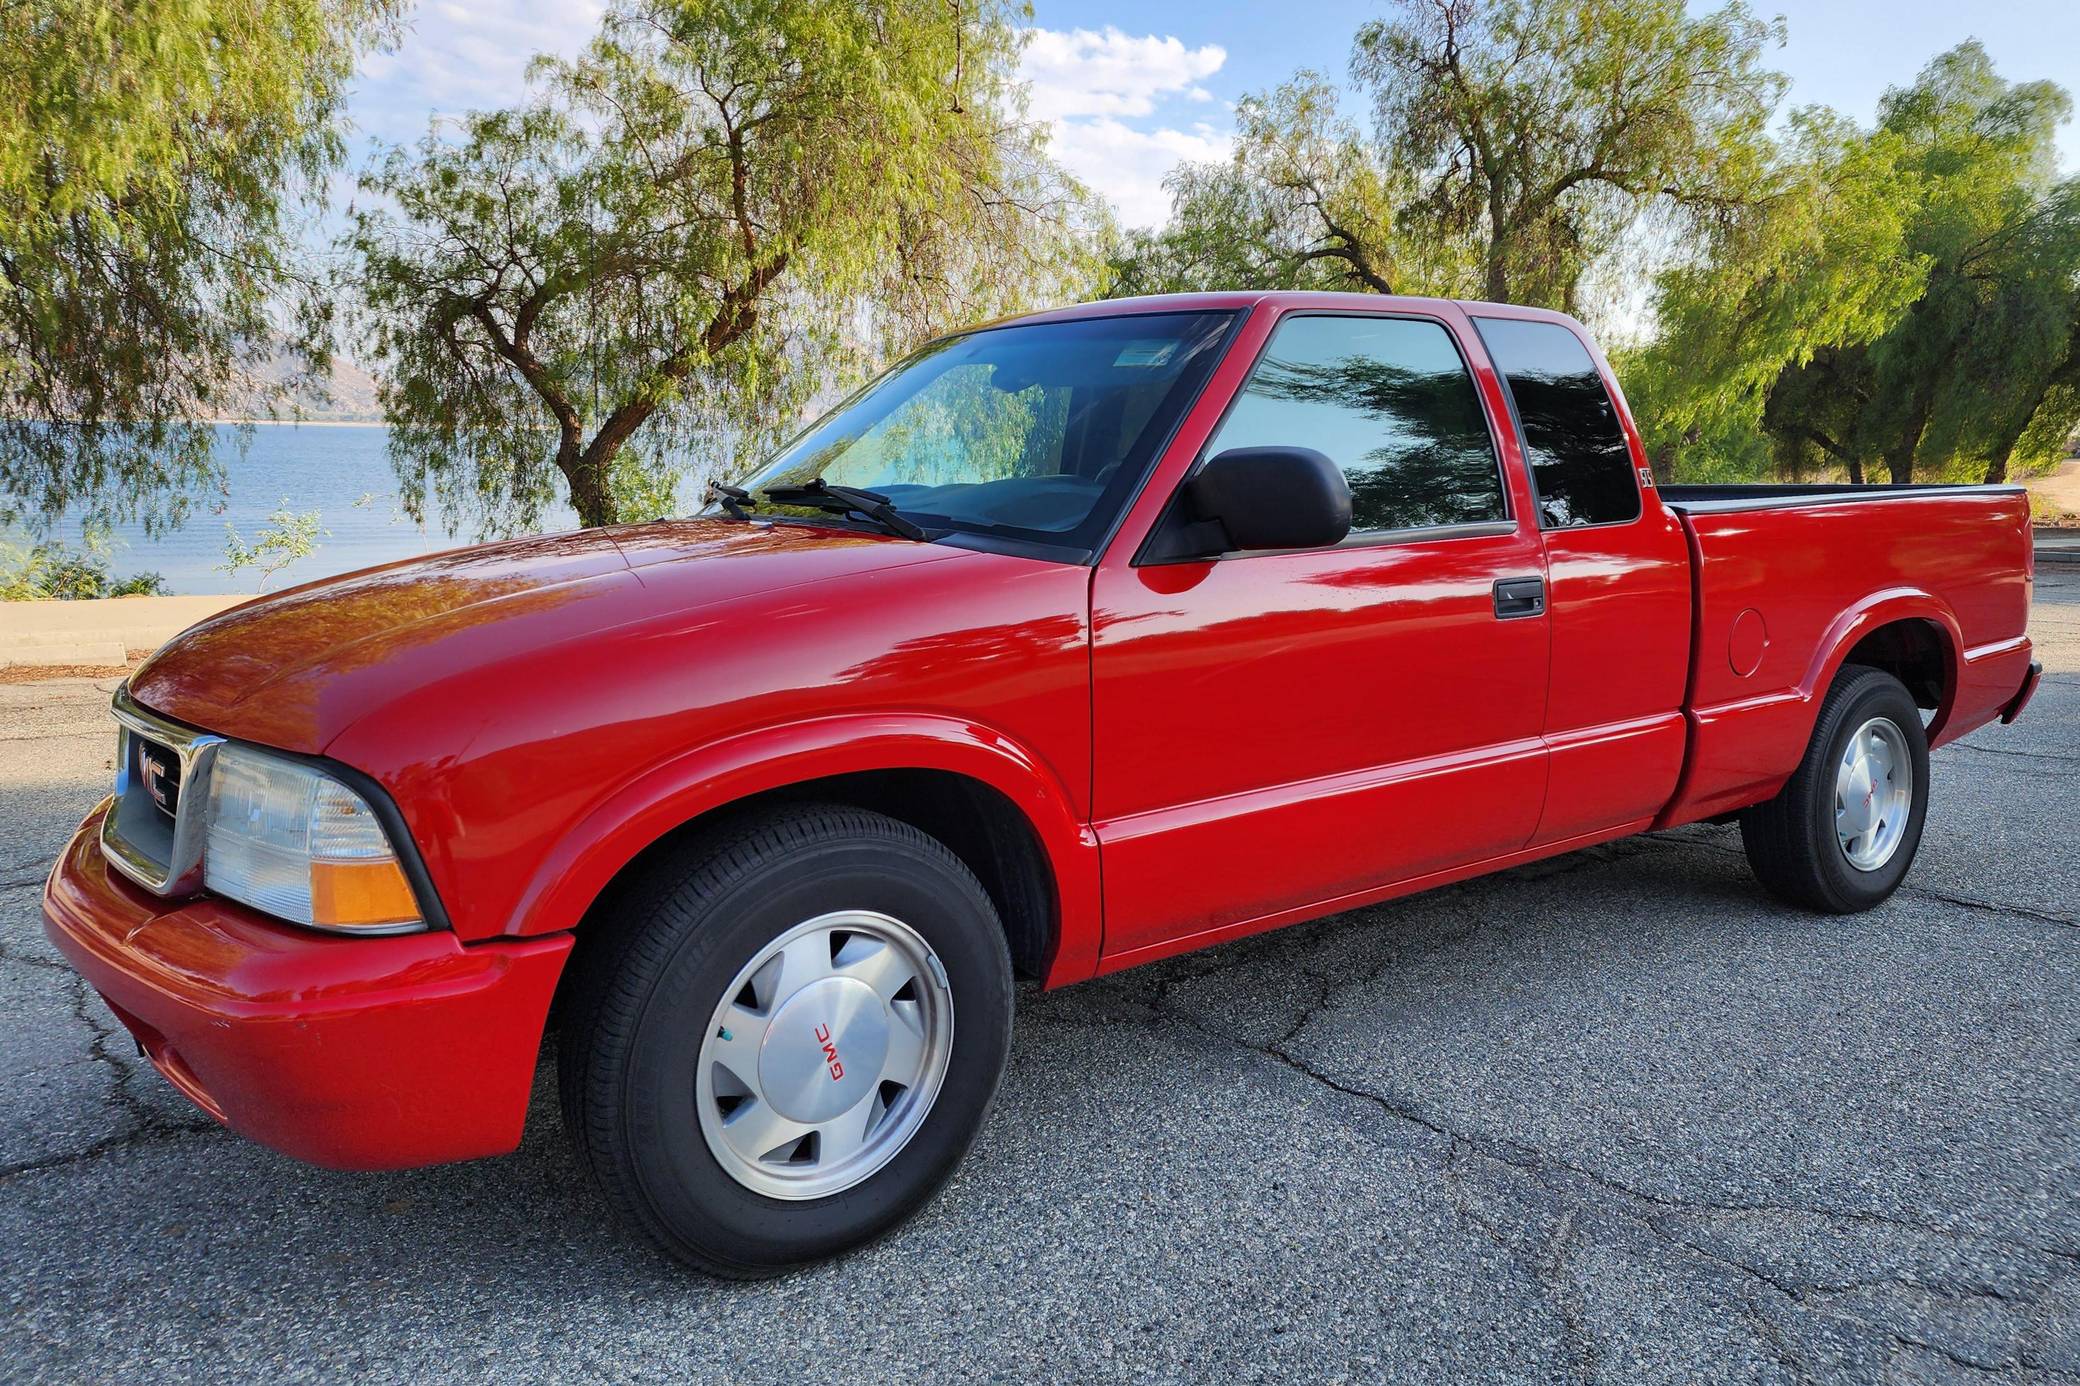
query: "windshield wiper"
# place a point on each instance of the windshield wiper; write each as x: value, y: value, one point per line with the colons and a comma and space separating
x: 843, y: 500
x: 731, y: 498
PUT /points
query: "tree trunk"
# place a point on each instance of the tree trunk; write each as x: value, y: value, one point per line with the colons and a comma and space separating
x: 590, y: 495
x: 1856, y: 471
x: 2003, y: 450
x: 1899, y: 458
x: 1498, y: 273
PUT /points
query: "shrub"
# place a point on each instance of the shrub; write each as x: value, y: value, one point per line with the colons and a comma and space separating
x: 56, y: 571
x: 139, y: 585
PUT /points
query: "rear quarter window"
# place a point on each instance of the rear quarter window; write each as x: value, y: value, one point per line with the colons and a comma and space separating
x: 1580, y: 465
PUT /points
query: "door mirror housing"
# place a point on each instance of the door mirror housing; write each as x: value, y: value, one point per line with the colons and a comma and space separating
x: 1257, y: 498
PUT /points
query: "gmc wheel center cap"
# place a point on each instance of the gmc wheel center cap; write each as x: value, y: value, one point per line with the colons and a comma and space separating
x: 824, y: 1049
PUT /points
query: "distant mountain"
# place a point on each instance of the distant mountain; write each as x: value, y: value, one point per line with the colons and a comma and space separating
x: 347, y: 395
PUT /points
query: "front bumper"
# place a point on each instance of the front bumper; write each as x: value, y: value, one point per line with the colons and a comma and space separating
x: 355, y: 1053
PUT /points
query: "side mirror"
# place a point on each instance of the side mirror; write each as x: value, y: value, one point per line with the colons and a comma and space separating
x: 1258, y: 498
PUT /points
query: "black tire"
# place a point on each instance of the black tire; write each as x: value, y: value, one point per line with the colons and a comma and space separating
x: 675, y: 938
x: 1791, y: 841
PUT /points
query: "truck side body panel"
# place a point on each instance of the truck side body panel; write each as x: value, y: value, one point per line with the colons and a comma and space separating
x: 1270, y: 730
x: 1786, y: 591
x: 1620, y: 605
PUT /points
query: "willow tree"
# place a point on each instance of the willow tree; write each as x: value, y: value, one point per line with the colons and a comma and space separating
x: 686, y: 232
x: 1304, y: 202
x: 1545, y: 130
x: 1816, y: 264
x: 1983, y: 356
x: 156, y: 157
x: 1513, y: 146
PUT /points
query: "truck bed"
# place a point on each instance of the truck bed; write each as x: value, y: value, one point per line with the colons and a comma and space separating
x: 1771, y: 496
x: 1788, y: 579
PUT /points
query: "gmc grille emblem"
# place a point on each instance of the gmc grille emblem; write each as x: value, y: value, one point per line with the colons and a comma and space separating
x: 155, y: 779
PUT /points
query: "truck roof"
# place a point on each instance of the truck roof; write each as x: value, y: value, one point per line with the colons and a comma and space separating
x: 1228, y: 300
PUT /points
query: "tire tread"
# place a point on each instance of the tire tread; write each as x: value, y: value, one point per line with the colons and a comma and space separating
x: 648, y: 918
x: 1779, y: 834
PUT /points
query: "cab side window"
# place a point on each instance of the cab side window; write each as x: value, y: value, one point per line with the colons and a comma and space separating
x: 1580, y: 465
x: 1391, y: 402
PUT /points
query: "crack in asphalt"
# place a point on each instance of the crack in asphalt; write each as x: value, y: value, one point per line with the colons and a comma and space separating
x: 156, y: 1135
x: 1548, y: 1270
x: 144, y: 1125
x: 1652, y: 1212
x: 20, y: 875
x: 1552, y: 1274
x: 1771, y: 1336
x: 1971, y: 902
x: 8, y: 955
x: 2006, y: 751
x: 1814, y: 1297
x: 1907, y: 888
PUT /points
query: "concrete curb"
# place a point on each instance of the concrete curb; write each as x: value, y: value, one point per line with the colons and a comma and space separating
x: 100, y: 633
x: 99, y: 654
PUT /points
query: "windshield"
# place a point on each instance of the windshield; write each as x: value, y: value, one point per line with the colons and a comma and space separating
x: 1037, y: 432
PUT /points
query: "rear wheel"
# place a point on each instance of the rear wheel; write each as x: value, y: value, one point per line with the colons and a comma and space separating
x: 788, y: 1040
x: 1843, y: 831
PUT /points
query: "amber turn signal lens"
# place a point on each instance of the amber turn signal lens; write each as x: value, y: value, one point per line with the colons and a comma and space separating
x: 360, y: 894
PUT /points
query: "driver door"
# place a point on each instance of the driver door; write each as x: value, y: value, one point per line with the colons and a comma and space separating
x: 1279, y: 734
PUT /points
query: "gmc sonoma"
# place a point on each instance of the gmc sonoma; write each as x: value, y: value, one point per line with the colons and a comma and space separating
x: 1070, y: 643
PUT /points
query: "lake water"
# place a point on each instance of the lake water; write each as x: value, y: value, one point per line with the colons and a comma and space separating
x: 339, y: 470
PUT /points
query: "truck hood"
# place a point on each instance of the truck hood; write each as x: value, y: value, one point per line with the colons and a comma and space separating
x: 295, y: 669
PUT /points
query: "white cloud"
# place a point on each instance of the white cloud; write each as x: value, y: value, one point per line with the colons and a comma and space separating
x: 461, y: 56
x: 1128, y: 165
x: 1081, y: 73
x: 1096, y: 88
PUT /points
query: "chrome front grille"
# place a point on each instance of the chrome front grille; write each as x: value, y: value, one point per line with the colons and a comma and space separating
x: 153, y: 832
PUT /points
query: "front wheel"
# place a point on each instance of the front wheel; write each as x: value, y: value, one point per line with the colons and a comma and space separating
x: 1840, y: 835
x: 788, y: 1039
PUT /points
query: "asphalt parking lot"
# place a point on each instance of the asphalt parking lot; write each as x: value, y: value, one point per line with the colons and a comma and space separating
x: 1612, y: 1117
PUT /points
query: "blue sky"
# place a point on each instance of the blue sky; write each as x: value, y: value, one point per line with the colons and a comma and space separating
x: 1133, y: 89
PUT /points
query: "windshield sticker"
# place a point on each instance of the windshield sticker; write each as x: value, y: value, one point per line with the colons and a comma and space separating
x: 1156, y: 353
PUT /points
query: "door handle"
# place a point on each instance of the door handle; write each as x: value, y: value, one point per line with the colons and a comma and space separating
x: 1516, y: 598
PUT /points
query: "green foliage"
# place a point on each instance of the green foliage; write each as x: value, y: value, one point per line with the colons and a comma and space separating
x: 692, y: 230
x: 1818, y: 261
x: 1304, y: 203
x: 154, y: 155
x: 1544, y: 131
x: 1893, y: 302
x: 1954, y: 383
x: 1515, y: 145
x: 66, y: 575
x: 138, y: 585
x: 32, y: 571
x: 1905, y: 303
x: 287, y: 536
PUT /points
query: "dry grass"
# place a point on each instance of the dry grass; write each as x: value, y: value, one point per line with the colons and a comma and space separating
x: 43, y: 673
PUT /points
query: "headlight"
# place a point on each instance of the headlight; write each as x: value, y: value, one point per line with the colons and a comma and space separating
x: 298, y: 844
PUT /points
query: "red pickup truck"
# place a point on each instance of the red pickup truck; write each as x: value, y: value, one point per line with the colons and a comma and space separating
x: 1070, y: 643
